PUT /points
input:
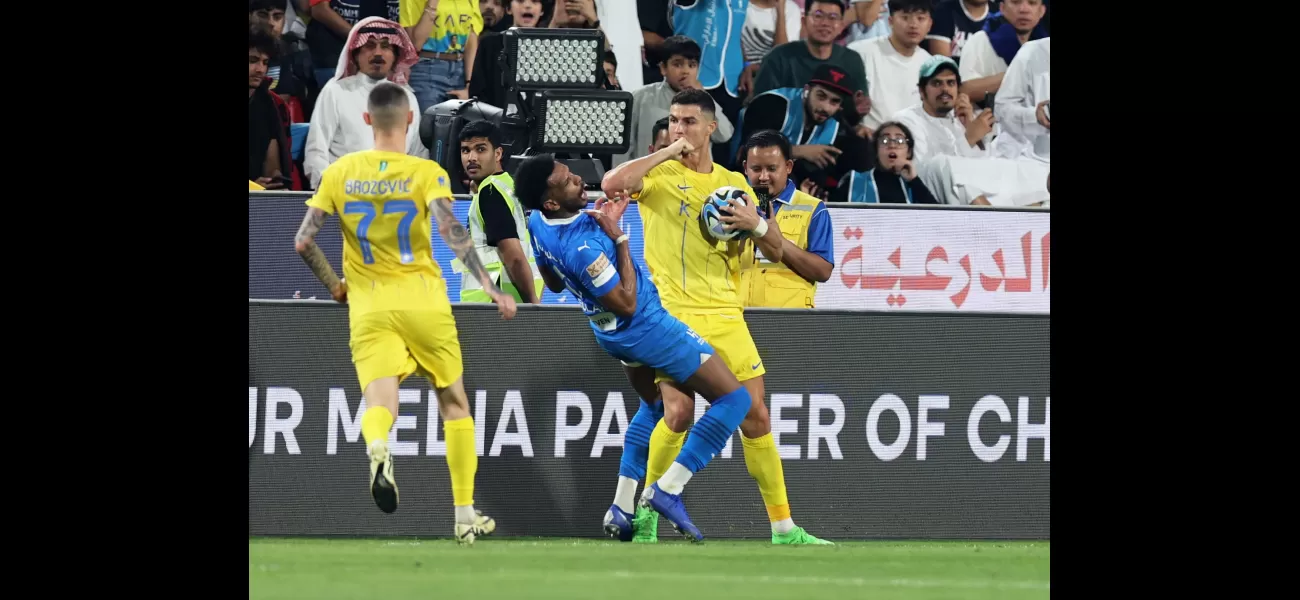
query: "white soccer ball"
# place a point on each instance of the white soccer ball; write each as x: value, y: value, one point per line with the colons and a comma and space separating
x: 715, y: 206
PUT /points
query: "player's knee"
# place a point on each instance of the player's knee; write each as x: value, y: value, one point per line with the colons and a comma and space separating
x: 452, y: 403
x: 678, y: 415
x: 757, y: 422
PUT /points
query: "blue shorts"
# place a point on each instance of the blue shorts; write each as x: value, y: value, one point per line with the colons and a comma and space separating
x: 663, y: 343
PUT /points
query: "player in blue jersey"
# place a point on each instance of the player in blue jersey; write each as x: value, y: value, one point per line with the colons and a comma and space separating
x: 586, y: 252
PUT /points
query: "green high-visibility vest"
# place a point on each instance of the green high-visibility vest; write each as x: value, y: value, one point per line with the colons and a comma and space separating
x: 471, y: 290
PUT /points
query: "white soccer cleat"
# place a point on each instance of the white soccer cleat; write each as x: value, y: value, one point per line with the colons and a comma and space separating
x: 383, y: 488
x: 483, y: 525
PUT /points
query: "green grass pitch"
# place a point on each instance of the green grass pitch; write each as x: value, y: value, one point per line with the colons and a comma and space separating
x: 575, y: 569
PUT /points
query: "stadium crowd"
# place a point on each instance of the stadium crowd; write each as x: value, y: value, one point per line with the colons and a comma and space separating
x: 901, y: 101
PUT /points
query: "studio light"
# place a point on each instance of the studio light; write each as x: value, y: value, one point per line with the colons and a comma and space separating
x: 546, y: 59
x: 599, y: 122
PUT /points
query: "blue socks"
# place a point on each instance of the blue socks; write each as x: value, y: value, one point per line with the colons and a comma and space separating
x: 712, y: 431
x: 636, y: 440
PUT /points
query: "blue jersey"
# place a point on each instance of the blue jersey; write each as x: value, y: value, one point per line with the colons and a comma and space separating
x: 586, y: 259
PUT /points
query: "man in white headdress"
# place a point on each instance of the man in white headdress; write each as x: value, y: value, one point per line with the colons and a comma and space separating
x: 377, y: 50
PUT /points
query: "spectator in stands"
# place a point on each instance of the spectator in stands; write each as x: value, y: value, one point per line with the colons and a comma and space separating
x: 291, y: 72
x: 611, y: 71
x: 949, y: 149
x: 983, y: 65
x: 825, y: 147
x: 943, y: 122
x: 655, y: 28
x: 487, y: 86
x: 575, y: 14
x: 892, y: 63
x: 268, y: 146
x: 331, y: 21
x: 768, y: 24
x: 793, y: 64
x: 496, y: 221
x: 1024, y: 102
x: 447, y: 32
x: 894, y: 178
x: 377, y: 50
x: 660, y: 136
x: 954, y: 21
x: 680, y: 69
x: 808, y: 254
x: 717, y: 26
x: 867, y: 19
x: 495, y: 17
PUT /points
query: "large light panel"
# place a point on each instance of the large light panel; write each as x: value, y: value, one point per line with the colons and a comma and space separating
x: 543, y: 59
x: 598, y: 122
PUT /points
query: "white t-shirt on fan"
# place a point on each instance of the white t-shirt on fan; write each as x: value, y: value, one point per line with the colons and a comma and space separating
x: 891, y: 78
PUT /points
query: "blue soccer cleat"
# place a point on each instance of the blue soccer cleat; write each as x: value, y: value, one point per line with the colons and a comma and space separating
x: 671, y: 507
x: 618, y: 524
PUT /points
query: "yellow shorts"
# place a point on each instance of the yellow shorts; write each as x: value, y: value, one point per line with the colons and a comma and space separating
x: 397, y: 343
x: 729, y: 336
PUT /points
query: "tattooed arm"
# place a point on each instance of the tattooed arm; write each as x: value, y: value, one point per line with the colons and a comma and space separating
x: 458, y: 239
x: 305, y: 244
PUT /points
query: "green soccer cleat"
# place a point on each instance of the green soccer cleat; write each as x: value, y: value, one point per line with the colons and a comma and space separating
x: 645, y: 526
x: 798, y: 536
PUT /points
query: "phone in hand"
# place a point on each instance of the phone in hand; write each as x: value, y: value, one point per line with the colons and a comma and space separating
x: 989, y: 97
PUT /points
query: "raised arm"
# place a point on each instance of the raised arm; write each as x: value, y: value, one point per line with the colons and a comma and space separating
x: 627, y: 176
x: 458, y: 239
x: 614, y: 285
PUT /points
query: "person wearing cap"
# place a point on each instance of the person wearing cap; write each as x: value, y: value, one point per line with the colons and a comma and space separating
x: 377, y: 50
x: 943, y: 119
x: 950, y: 149
x: 793, y: 64
x: 893, y: 62
x: 825, y: 147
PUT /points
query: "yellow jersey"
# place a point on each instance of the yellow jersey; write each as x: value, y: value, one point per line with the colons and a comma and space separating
x: 694, y: 272
x: 382, y: 200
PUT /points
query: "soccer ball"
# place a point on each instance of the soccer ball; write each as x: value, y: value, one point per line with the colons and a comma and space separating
x: 715, y: 206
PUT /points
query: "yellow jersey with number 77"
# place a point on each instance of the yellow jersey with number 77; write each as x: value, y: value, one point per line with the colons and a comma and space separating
x: 382, y: 201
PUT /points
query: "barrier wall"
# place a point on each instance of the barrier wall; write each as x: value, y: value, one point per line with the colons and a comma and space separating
x: 907, y: 425
x: 887, y: 257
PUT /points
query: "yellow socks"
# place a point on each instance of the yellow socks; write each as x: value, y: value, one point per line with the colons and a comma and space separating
x: 375, y: 424
x: 462, y: 459
x: 664, y: 446
x: 764, y: 464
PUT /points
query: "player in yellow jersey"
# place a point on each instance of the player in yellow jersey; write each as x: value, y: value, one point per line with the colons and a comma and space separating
x: 398, y: 311
x: 699, y: 282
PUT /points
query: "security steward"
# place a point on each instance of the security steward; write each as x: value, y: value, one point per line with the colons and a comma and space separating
x: 803, y: 219
x: 496, y: 222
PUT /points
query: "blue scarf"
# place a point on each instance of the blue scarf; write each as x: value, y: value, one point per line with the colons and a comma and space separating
x: 1003, y: 36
